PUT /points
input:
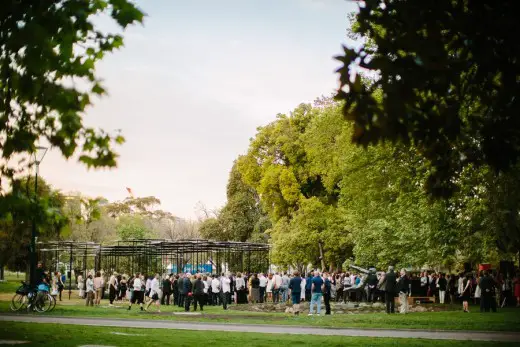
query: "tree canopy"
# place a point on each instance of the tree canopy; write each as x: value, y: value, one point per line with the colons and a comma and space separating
x: 443, y: 79
x: 49, y: 50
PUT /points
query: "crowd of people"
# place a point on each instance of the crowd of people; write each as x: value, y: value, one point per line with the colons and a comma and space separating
x: 198, y: 290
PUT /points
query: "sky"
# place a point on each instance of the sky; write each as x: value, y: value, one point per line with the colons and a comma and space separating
x: 191, y: 86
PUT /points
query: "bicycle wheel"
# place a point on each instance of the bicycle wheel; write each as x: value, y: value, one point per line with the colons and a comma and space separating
x: 43, y: 303
x: 18, y: 302
x: 53, y: 300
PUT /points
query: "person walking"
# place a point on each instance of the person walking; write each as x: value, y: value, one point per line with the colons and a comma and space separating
x: 390, y: 286
x: 155, y: 293
x: 90, y: 291
x: 295, y: 286
x: 403, y: 287
x: 138, y: 292
x: 316, y: 293
x: 327, y: 286
x: 198, y: 293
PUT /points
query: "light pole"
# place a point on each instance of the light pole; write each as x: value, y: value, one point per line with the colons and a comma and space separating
x: 38, y: 155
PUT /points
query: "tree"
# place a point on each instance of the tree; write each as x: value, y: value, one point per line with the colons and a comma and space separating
x: 443, y: 80
x: 19, y: 209
x: 132, y: 227
x: 50, y: 49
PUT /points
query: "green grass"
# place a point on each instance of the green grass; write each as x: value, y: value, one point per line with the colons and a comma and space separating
x: 504, y: 320
x: 71, y: 335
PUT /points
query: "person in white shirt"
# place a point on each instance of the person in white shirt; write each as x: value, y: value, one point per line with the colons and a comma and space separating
x: 302, y: 286
x: 138, y: 295
x: 225, y: 284
x: 215, y: 290
x: 155, y: 293
x: 81, y: 286
x: 263, y: 285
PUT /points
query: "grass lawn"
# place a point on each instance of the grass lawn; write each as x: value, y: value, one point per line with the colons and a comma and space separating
x: 71, y: 335
x: 504, y: 320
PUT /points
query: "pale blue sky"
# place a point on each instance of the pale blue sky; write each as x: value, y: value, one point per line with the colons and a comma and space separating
x: 190, y: 87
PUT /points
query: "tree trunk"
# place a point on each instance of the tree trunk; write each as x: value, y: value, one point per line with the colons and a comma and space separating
x: 321, y: 256
x: 1, y: 272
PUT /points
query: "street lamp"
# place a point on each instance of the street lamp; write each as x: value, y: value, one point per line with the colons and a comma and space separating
x: 38, y: 156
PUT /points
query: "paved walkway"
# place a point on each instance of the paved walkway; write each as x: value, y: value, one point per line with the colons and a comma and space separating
x: 270, y: 329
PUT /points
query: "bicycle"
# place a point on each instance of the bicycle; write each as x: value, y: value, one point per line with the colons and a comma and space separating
x: 33, y: 299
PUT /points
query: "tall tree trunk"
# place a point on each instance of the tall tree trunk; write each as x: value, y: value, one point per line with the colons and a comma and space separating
x: 321, y: 256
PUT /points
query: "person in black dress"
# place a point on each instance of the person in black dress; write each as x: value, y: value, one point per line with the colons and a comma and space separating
x: 466, y: 292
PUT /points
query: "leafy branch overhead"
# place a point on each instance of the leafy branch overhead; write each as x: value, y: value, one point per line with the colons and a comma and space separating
x: 49, y: 48
x: 445, y: 79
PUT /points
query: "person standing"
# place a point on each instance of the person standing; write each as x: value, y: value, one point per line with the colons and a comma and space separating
x: 166, y: 290
x: 180, y: 287
x: 240, y: 289
x: 112, y: 289
x: 371, y: 282
x: 316, y: 293
x: 308, y: 287
x: 198, y: 293
x: 466, y: 291
x: 225, y: 285
x: 296, y: 288
x: 138, y: 293
x: 487, y: 287
x: 81, y: 286
x: 516, y: 284
x: 175, y: 287
x: 215, y: 290
x: 98, y: 287
x: 284, y: 287
x: 187, y: 293
x: 327, y: 286
x: 90, y: 291
x: 262, y: 286
x: 403, y: 287
x: 443, y: 285
x: 347, y: 284
x: 123, y: 287
x: 390, y: 289
x: 302, y: 288
x: 255, y: 289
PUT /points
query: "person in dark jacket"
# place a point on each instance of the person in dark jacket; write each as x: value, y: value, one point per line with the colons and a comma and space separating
x: 198, y: 294
x: 180, y: 288
x: 295, y: 287
x: 175, y: 289
x: 403, y: 287
x: 326, y: 293
x: 308, y: 287
x: 487, y: 286
x: 166, y: 290
x: 372, y: 286
x: 390, y: 289
x: 187, y: 291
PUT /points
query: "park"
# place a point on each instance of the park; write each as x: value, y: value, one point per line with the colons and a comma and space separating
x: 249, y: 173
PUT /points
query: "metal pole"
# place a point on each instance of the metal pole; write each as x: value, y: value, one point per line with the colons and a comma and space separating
x: 33, y: 235
x: 70, y: 271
